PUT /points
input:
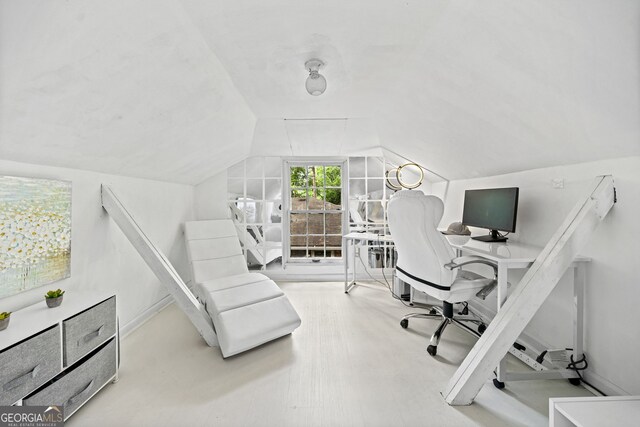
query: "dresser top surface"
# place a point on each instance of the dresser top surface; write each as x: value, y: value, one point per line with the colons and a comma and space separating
x: 37, y: 317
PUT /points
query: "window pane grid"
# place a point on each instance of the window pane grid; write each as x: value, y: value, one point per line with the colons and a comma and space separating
x: 317, y: 190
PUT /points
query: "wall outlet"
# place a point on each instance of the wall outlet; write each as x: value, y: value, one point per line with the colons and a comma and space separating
x: 557, y: 183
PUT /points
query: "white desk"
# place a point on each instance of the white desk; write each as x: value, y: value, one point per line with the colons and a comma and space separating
x: 514, y: 255
x: 349, y: 242
x: 594, y: 411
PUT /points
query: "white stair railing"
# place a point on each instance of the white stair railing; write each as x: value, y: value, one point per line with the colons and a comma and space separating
x: 160, y: 266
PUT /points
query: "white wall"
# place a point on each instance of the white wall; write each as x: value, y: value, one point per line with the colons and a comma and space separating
x: 101, y: 257
x: 613, y: 288
x: 211, y: 197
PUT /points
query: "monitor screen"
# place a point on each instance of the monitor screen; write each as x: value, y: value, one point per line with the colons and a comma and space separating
x: 492, y: 208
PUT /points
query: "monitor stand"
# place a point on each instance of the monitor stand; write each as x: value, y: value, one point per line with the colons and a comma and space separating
x: 493, y: 237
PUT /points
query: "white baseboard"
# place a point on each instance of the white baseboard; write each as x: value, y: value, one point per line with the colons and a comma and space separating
x: 604, y: 384
x: 145, y: 316
x: 326, y: 277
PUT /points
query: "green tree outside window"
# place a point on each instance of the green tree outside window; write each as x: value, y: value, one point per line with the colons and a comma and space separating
x: 308, y: 183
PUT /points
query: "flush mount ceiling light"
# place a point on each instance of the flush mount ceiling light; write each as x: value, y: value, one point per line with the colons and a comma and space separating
x: 316, y: 83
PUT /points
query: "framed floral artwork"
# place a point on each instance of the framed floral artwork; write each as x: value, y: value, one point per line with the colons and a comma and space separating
x: 35, y: 233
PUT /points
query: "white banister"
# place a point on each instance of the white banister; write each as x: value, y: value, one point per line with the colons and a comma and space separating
x: 160, y: 266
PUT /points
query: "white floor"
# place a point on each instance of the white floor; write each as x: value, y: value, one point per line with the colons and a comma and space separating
x: 349, y: 364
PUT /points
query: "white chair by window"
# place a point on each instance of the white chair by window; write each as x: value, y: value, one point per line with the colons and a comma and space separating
x: 428, y: 263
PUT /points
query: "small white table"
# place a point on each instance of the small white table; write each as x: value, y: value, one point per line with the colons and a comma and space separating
x: 349, y: 242
x: 515, y: 255
x: 594, y: 411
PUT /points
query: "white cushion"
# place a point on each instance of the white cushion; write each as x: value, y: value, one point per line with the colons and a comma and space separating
x: 203, y: 249
x: 239, y: 296
x: 230, y: 282
x: 214, y: 249
x: 202, y: 290
x: 466, y: 286
x: 211, y: 269
x: 250, y: 326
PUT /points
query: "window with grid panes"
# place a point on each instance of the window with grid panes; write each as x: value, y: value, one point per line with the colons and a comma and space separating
x: 315, y: 211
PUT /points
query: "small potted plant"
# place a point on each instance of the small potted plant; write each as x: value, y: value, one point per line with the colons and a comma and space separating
x: 54, y: 298
x: 4, y: 320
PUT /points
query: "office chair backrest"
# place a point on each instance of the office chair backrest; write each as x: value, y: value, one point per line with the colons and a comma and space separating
x: 422, y: 249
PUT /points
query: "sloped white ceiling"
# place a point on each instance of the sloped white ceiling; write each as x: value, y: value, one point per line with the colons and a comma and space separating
x: 302, y: 137
x: 510, y: 86
x: 468, y: 88
x: 125, y: 87
x: 174, y: 89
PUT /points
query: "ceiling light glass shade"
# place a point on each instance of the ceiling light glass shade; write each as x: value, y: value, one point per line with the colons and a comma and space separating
x: 316, y: 83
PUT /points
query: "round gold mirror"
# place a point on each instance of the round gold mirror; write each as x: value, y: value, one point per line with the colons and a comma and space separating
x: 410, y: 175
x: 391, y: 180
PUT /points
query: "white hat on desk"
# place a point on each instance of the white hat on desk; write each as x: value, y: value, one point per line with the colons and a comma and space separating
x: 458, y: 228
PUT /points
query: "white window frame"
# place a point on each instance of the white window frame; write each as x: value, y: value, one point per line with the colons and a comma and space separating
x: 286, y: 217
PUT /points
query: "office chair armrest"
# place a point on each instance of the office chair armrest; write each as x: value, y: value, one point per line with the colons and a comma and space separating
x: 465, y: 260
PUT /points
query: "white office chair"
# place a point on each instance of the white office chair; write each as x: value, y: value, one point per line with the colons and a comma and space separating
x: 428, y: 263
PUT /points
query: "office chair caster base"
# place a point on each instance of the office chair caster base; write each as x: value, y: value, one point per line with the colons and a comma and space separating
x: 574, y: 381
x: 404, y: 323
x: 481, y: 328
x: 432, y: 350
x: 498, y: 384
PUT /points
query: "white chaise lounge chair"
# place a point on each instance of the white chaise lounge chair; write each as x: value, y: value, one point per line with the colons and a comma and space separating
x: 247, y: 309
x: 232, y: 308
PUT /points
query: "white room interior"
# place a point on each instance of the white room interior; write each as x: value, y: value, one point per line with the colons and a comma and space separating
x: 175, y: 104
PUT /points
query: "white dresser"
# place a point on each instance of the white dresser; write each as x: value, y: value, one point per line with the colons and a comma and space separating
x: 60, y: 356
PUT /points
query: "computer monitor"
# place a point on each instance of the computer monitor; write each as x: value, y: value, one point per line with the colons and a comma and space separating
x: 492, y: 208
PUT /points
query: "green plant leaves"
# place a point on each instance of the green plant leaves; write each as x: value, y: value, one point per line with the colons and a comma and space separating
x: 54, y: 294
